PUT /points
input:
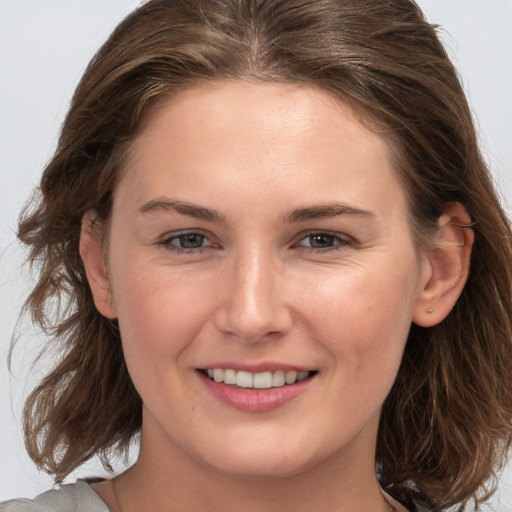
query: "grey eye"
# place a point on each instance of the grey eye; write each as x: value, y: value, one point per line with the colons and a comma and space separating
x: 189, y: 240
x: 321, y: 240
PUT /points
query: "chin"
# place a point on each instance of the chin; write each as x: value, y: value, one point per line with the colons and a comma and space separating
x: 270, y: 459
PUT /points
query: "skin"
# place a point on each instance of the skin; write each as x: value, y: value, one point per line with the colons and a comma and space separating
x: 257, y: 289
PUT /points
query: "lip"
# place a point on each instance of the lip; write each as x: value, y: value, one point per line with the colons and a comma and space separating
x: 262, y: 366
x: 254, y: 400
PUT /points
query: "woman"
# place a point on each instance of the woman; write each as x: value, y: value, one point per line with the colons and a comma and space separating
x: 277, y: 254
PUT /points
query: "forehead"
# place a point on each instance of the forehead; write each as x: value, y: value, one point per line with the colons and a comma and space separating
x: 235, y: 102
x: 235, y: 137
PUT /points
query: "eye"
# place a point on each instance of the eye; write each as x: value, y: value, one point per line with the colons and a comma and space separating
x: 323, y: 240
x: 187, y: 242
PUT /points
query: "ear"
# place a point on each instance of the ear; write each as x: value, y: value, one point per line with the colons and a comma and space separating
x: 446, y: 267
x: 91, y: 251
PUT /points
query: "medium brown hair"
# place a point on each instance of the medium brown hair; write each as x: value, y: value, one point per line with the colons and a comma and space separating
x: 446, y: 425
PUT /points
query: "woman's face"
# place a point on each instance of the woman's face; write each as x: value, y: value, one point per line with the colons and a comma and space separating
x: 260, y: 234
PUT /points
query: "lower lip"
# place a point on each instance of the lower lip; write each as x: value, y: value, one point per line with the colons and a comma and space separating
x: 255, y: 400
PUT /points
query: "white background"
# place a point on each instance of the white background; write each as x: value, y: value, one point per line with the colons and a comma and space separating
x: 45, y: 46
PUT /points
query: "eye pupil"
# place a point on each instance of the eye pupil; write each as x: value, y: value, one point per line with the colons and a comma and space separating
x: 320, y: 240
x: 191, y: 240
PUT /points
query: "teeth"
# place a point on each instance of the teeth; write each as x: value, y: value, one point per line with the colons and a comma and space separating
x: 290, y: 377
x: 278, y: 379
x: 302, y: 375
x: 243, y: 379
x: 229, y: 377
x: 263, y: 380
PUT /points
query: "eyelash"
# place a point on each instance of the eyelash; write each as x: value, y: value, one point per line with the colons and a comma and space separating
x: 168, y: 243
x: 340, y: 242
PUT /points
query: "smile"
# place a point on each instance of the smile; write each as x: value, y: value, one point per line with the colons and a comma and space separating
x: 261, y: 380
x: 261, y: 391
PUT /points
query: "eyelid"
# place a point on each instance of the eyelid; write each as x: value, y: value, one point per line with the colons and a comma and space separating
x: 174, y: 234
x: 167, y: 239
x: 343, y: 239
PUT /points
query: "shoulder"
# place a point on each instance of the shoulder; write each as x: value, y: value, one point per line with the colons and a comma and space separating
x: 78, y: 497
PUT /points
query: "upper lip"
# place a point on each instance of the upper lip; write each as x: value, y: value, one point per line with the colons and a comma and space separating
x: 258, y: 367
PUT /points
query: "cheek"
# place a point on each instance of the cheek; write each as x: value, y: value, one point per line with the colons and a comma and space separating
x: 158, y: 315
x: 363, y: 317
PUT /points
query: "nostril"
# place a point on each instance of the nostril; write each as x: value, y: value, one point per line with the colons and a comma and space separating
x: 253, y: 323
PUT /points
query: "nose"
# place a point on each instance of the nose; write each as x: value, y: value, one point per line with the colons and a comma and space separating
x: 253, y: 305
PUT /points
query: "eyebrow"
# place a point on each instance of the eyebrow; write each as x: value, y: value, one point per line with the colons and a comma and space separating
x: 183, y: 208
x: 326, y: 210
x: 321, y: 211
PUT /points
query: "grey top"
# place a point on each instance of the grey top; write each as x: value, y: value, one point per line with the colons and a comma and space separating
x: 78, y: 497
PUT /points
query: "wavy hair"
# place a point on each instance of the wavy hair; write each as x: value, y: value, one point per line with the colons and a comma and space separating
x: 446, y: 425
